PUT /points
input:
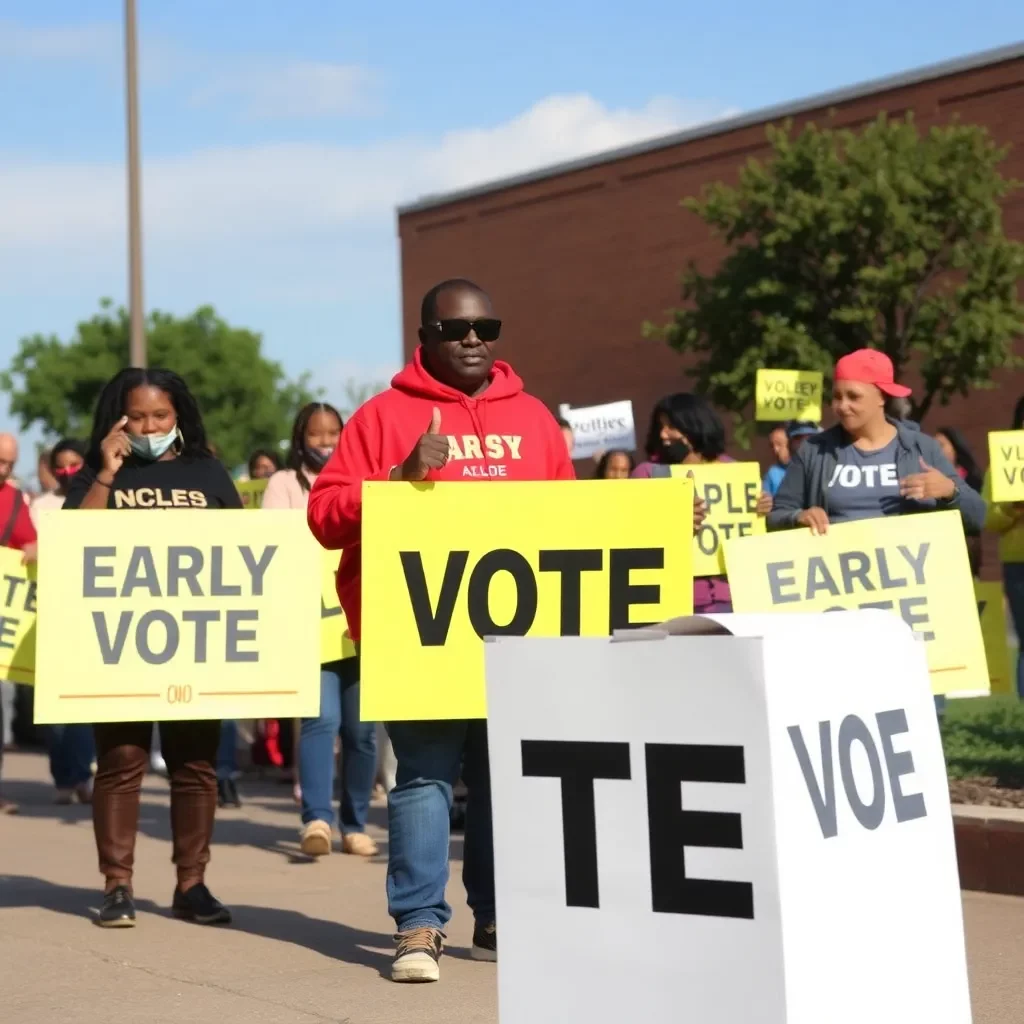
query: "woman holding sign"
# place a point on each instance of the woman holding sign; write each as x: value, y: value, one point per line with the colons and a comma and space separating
x: 314, y: 437
x: 869, y: 464
x: 149, y: 450
x: 686, y: 431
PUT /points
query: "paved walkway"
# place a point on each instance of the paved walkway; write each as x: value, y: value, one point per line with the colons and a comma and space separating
x: 311, y: 941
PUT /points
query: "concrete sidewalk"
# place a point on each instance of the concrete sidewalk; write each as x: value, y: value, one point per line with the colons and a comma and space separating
x: 311, y: 941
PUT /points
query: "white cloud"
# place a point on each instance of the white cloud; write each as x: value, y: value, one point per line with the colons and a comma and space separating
x: 282, y: 193
x: 95, y: 41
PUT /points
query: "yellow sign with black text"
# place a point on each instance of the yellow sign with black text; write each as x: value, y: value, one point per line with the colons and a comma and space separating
x: 17, y: 618
x: 183, y: 617
x: 730, y: 490
x: 445, y: 565
x: 335, y: 643
x: 781, y: 395
x: 1006, y: 465
x: 915, y: 566
x: 992, y: 615
x: 251, y: 492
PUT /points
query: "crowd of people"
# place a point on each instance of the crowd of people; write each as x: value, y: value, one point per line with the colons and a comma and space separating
x: 148, y: 432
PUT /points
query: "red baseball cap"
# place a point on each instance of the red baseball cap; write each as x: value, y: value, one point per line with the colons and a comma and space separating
x: 869, y: 366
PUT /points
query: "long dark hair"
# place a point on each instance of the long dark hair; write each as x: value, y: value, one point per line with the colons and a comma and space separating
x: 964, y: 456
x: 111, y: 403
x: 298, y: 452
x: 694, y: 416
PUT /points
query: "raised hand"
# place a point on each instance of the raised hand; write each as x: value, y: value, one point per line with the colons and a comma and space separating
x: 430, y: 452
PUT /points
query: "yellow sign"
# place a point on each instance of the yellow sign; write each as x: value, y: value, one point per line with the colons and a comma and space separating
x: 1006, y: 464
x: 731, y: 490
x: 335, y: 643
x: 913, y: 565
x: 251, y: 492
x: 17, y: 618
x: 178, y: 616
x: 445, y: 565
x: 992, y: 615
x: 789, y: 395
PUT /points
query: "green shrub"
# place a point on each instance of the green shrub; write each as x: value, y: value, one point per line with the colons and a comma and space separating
x: 984, y: 737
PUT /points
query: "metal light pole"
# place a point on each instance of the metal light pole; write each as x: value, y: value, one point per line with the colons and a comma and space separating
x: 135, y: 303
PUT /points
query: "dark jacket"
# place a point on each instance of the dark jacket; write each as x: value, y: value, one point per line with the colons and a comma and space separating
x: 806, y: 481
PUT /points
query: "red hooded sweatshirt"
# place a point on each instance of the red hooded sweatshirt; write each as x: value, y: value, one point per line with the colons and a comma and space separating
x: 503, y: 434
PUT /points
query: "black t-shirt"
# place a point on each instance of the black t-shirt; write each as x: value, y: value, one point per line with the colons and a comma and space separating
x: 176, y: 483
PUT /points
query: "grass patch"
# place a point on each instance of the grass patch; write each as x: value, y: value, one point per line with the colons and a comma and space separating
x: 983, y: 737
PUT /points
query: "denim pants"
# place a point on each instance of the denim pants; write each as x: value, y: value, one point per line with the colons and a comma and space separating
x: 431, y: 757
x: 1013, y: 584
x: 227, y: 750
x: 72, y: 752
x: 339, y: 708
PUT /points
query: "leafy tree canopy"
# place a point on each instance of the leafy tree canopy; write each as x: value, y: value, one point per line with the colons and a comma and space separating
x: 884, y: 238
x: 246, y: 400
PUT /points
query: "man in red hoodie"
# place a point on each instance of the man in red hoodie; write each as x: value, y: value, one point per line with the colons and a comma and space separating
x: 454, y: 413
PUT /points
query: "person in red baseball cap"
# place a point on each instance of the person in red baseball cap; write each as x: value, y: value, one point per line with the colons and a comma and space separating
x: 869, y: 464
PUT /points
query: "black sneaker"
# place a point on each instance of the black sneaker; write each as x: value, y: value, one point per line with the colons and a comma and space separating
x: 227, y: 793
x: 117, y: 911
x: 485, y: 943
x: 199, y: 905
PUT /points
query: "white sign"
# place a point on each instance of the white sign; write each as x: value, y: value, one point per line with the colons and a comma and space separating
x: 747, y: 825
x: 600, y: 428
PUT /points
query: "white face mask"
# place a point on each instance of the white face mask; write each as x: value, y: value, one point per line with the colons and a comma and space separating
x: 152, y: 446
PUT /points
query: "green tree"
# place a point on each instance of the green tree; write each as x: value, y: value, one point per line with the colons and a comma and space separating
x: 355, y: 392
x: 886, y: 238
x: 246, y: 400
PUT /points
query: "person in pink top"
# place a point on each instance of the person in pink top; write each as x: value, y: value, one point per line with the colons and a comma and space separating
x: 314, y: 438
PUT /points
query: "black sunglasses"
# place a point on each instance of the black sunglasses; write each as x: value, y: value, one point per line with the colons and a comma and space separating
x: 487, y: 329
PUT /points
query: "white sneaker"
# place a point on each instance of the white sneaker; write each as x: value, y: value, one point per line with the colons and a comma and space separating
x: 416, y: 958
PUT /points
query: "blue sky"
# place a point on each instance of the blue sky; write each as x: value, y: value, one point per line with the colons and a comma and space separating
x: 278, y: 137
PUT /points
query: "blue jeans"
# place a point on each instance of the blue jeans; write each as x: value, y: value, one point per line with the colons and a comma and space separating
x: 431, y: 756
x: 227, y: 750
x: 339, y: 708
x: 72, y: 752
x: 1013, y: 584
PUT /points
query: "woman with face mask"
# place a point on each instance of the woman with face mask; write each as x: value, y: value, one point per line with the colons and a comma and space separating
x: 149, y: 450
x: 686, y: 431
x: 314, y: 438
x: 71, y: 747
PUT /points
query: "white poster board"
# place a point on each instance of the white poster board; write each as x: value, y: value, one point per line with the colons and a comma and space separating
x: 814, y: 882
x: 600, y: 428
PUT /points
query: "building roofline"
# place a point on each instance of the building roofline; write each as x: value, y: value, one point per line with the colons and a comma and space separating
x: 709, y: 129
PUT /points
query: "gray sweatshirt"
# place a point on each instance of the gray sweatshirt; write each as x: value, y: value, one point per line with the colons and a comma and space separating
x: 806, y: 480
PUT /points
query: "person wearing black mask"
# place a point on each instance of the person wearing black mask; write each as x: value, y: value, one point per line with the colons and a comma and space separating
x: 149, y: 450
x: 314, y: 438
x: 686, y: 431
x: 667, y: 446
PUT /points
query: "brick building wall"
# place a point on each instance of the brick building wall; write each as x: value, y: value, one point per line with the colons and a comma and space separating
x: 578, y: 258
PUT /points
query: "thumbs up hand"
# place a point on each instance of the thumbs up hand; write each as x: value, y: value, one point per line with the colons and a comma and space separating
x: 929, y: 484
x: 430, y: 452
